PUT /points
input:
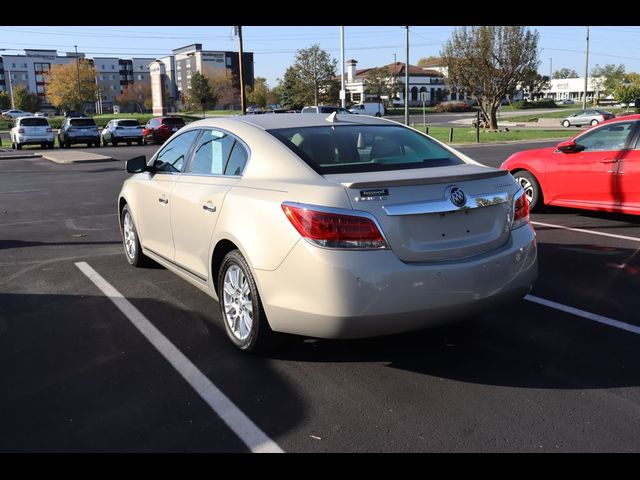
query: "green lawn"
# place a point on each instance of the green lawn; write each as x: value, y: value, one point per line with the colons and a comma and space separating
x: 468, y: 135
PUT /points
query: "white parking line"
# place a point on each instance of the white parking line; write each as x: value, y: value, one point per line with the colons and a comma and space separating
x: 242, y: 426
x: 590, y: 232
x: 584, y: 314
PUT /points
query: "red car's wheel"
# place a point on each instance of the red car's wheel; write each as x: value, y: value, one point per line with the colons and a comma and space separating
x: 531, y: 188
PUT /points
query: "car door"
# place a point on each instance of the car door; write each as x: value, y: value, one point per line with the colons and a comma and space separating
x: 216, y: 165
x: 589, y: 177
x: 106, y: 132
x: 629, y: 176
x: 154, y: 195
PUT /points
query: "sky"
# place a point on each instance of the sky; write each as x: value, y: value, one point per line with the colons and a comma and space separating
x: 274, y: 47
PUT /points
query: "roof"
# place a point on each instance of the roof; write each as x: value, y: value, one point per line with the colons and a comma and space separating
x: 433, y: 62
x: 399, y: 70
x: 290, y: 120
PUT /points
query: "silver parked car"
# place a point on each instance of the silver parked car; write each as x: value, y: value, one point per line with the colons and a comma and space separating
x: 329, y: 226
x: 122, y: 130
x: 590, y: 116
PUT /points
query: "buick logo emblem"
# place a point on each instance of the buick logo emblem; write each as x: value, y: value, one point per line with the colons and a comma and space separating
x: 457, y: 196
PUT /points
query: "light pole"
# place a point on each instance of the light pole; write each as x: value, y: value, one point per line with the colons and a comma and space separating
x: 406, y: 83
x: 586, y: 73
x: 78, y: 70
x: 343, y: 94
x: 8, y: 72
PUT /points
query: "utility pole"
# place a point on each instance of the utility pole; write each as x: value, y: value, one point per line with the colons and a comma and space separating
x: 550, y: 69
x: 243, y: 101
x: 406, y: 82
x: 315, y: 78
x: 343, y: 94
x: 8, y: 73
x: 586, y: 73
x: 78, y: 70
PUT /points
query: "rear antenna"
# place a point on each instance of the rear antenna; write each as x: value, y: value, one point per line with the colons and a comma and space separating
x: 332, y: 118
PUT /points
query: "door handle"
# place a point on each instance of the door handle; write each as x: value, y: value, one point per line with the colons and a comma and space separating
x: 608, y: 160
x: 163, y: 199
x: 209, y: 207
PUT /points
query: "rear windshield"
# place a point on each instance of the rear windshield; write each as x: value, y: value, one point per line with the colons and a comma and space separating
x: 34, y: 122
x: 364, y: 148
x: 82, y: 122
x: 173, y: 121
x: 128, y: 123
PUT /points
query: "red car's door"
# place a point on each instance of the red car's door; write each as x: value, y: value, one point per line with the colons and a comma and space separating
x: 589, y: 177
x: 629, y: 178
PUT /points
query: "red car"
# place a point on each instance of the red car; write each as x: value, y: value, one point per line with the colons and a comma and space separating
x: 598, y: 169
x: 159, y: 129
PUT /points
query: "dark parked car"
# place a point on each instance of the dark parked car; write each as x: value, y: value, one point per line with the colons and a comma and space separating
x: 79, y: 130
x: 158, y: 129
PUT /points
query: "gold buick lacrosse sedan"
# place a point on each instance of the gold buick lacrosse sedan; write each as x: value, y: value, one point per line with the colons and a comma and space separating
x: 329, y: 226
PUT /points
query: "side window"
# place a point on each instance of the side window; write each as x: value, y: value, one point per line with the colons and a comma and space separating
x: 237, y: 160
x: 211, y: 154
x: 607, y: 137
x: 172, y: 157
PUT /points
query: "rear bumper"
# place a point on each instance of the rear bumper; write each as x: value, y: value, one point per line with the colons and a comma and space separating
x: 82, y: 139
x: 35, y: 139
x: 339, y: 294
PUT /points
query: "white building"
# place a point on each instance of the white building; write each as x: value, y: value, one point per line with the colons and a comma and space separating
x: 423, y: 82
x: 573, y: 89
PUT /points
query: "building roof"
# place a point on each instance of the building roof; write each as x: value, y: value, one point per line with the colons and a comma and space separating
x: 398, y: 69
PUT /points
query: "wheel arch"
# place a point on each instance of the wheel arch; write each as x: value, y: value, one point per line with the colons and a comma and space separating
x: 535, y: 176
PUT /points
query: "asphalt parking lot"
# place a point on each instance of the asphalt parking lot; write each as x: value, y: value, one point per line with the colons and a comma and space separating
x: 557, y: 372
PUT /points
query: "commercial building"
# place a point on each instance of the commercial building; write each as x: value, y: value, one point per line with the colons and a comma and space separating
x: 573, y: 89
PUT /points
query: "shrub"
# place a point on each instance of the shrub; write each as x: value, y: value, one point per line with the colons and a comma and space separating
x: 525, y: 105
x: 454, y: 106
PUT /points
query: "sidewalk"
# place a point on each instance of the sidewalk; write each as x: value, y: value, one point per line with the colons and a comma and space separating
x: 67, y: 157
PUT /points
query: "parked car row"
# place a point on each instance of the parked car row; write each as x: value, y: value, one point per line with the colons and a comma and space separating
x: 36, y: 130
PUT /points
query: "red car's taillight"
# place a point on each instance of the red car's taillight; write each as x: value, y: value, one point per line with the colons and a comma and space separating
x: 520, y: 210
x: 333, y: 230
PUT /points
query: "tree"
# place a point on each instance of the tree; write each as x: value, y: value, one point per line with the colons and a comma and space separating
x: 565, y: 73
x: 25, y: 100
x: 5, y: 101
x: 377, y: 81
x: 257, y: 96
x: 223, y: 88
x: 535, y: 84
x: 136, y: 97
x: 627, y: 93
x: 607, y: 78
x: 62, y: 85
x: 424, y: 60
x: 312, y: 79
x: 489, y: 62
x: 200, y: 92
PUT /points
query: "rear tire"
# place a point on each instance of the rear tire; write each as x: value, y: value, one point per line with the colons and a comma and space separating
x: 594, y: 122
x: 130, y: 240
x: 531, y: 189
x: 18, y: 146
x: 114, y: 142
x: 245, y: 321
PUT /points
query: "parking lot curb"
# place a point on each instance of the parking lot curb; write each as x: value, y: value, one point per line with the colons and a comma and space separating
x: 66, y: 158
x: 15, y: 157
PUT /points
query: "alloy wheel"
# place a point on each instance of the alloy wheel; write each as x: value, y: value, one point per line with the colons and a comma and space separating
x: 237, y: 302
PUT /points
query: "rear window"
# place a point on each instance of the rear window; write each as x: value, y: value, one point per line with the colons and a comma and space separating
x: 34, y: 122
x: 173, y: 121
x: 82, y: 122
x: 128, y: 123
x: 364, y: 148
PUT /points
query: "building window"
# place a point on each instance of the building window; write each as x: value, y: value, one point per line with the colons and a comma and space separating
x: 414, y: 94
x: 228, y: 61
x: 102, y: 67
x: 141, y: 67
x: 113, y: 67
x: 140, y: 77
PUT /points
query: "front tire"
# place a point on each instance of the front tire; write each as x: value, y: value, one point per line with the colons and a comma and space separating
x: 245, y: 321
x: 531, y: 188
x: 566, y: 123
x: 130, y: 240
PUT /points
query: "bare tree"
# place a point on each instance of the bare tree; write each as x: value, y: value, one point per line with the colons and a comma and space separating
x: 489, y: 62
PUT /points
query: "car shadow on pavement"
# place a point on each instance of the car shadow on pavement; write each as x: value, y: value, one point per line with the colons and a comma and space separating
x: 522, y: 344
x: 77, y: 376
x: 25, y: 243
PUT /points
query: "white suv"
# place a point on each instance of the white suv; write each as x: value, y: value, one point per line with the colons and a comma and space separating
x: 31, y: 131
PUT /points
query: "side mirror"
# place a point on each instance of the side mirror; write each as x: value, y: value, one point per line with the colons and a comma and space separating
x: 569, y: 147
x: 137, y: 165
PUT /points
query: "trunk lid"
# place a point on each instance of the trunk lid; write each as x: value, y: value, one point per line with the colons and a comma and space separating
x: 419, y: 218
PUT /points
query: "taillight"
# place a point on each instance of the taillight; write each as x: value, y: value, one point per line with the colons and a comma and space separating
x: 49, y: 130
x: 334, y: 230
x: 21, y: 130
x: 520, y: 210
